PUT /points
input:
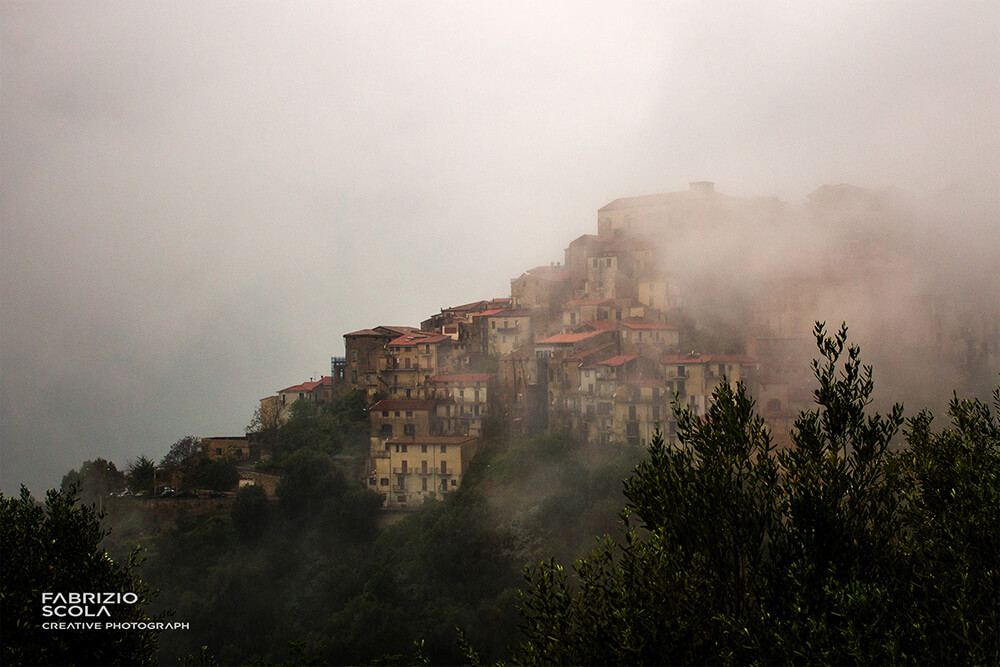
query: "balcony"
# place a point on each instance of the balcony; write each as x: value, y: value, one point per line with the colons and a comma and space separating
x: 402, y: 471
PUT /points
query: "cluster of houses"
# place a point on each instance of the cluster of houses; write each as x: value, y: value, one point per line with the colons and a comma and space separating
x: 587, y: 347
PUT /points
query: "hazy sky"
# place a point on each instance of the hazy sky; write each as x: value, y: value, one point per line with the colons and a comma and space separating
x: 198, y: 199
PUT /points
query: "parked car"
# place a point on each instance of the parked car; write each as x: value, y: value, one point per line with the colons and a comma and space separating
x: 167, y: 493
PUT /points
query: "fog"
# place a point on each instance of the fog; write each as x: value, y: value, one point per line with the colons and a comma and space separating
x: 198, y: 199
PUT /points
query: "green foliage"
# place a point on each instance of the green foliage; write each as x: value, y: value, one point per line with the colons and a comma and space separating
x: 56, y: 549
x: 220, y: 475
x: 183, y: 454
x: 952, y: 511
x: 94, y: 481
x: 141, y: 475
x: 835, y: 551
x: 250, y: 512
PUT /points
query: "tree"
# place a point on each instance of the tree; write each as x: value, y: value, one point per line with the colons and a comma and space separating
x: 220, y: 475
x: 141, y: 475
x: 56, y: 549
x: 834, y: 551
x: 952, y: 510
x: 250, y: 512
x: 95, y: 480
x: 182, y: 454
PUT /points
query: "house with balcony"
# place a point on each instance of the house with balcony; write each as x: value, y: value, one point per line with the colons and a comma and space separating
x: 410, y: 360
x: 411, y: 469
x: 462, y: 401
x: 693, y: 377
x: 364, y: 350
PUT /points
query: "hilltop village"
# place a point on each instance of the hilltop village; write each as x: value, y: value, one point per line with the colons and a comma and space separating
x: 674, y: 294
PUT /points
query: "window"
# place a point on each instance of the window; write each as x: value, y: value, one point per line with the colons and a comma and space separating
x: 404, y: 451
x: 403, y: 469
x: 385, y: 413
x: 218, y: 451
x: 354, y: 355
x: 444, y: 467
x: 423, y: 467
x: 454, y: 482
x: 384, y: 481
x: 423, y: 483
x: 423, y: 449
x: 409, y: 413
x: 409, y: 429
x: 444, y: 449
x: 386, y: 431
x: 631, y: 412
x: 397, y: 413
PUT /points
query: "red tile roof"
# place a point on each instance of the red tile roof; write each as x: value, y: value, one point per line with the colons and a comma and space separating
x: 466, y: 306
x: 493, y: 311
x: 365, y: 332
x: 403, y: 404
x: 617, y: 360
x: 603, y: 325
x: 419, y: 338
x: 325, y: 381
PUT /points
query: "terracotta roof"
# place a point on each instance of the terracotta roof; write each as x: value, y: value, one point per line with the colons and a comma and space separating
x: 568, y: 338
x: 403, y: 404
x: 466, y: 306
x: 462, y: 377
x: 707, y: 358
x: 389, y: 330
x: 602, y: 325
x: 419, y: 338
x: 617, y: 360
x: 365, y: 332
x: 591, y: 353
x: 325, y: 381
x: 649, y: 325
x: 493, y: 311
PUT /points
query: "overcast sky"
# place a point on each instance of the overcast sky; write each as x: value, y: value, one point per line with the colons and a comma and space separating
x: 200, y: 198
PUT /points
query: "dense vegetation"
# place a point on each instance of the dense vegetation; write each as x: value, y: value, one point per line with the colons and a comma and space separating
x: 56, y: 548
x: 835, y: 551
x: 841, y: 549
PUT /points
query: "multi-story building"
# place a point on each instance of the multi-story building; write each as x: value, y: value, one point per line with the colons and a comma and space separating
x: 410, y: 360
x: 693, y: 377
x: 315, y: 391
x: 234, y: 447
x: 649, y: 335
x: 462, y: 401
x: 364, y: 350
x: 507, y: 330
x: 543, y: 289
x: 411, y: 469
x: 392, y: 418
